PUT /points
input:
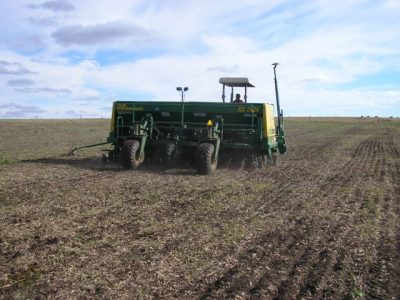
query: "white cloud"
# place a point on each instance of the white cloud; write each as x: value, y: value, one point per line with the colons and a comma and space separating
x: 56, y: 6
x: 103, y: 34
x: 20, y: 82
x: 321, y: 45
x: 15, y: 110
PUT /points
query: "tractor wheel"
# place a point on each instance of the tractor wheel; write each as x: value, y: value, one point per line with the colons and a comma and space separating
x: 130, y: 155
x: 170, y: 155
x: 204, y: 162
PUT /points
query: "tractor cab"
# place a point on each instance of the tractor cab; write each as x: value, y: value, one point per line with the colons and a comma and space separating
x: 234, y: 82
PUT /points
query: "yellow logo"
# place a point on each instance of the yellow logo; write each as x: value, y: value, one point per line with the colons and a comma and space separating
x: 248, y: 109
x: 126, y: 107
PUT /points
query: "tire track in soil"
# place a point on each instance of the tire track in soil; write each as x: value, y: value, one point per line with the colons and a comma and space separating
x: 282, y: 191
x: 311, y: 259
x: 396, y: 181
x: 254, y: 256
x: 262, y: 248
x: 273, y: 197
x: 377, y: 170
x: 303, y: 254
x: 320, y: 263
x: 319, y: 147
x: 374, y: 153
x: 323, y: 262
x: 288, y: 245
x: 380, y: 279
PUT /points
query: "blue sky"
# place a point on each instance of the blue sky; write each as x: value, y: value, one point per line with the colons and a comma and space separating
x: 70, y: 58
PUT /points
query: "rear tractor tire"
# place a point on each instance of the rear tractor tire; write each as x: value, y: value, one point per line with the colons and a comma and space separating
x: 130, y: 155
x: 204, y: 162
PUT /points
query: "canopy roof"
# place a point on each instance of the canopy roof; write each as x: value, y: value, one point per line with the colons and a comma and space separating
x: 235, y: 81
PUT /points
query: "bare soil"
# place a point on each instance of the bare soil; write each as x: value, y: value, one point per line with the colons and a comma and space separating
x: 323, y: 223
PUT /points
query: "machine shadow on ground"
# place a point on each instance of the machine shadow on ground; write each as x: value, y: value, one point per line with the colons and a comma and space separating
x: 95, y: 163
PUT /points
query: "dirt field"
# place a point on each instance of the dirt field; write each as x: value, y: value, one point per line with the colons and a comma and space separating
x: 323, y: 223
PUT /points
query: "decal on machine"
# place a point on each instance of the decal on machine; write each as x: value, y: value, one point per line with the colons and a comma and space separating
x: 248, y: 109
x: 126, y: 107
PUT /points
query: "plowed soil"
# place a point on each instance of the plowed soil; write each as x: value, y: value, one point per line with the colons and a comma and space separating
x: 323, y: 223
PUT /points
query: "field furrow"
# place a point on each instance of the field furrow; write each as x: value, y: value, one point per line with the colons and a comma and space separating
x: 324, y: 223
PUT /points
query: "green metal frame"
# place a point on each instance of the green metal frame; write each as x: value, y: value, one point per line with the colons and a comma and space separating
x: 243, y: 122
x: 227, y: 126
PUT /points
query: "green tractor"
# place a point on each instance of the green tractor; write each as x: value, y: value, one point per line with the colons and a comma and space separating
x: 203, y: 134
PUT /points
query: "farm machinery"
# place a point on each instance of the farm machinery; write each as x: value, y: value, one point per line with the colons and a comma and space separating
x: 203, y: 134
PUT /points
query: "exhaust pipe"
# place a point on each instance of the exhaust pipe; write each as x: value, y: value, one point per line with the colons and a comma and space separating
x: 278, y: 107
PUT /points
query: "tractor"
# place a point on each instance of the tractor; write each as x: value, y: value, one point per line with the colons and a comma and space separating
x: 200, y: 134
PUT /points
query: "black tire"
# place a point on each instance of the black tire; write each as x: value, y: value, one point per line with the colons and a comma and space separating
x: 130, y: 155
x: 170, y: 156
x: 204, y: 162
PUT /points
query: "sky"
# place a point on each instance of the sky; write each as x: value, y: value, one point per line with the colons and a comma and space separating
x: 72, y: 59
